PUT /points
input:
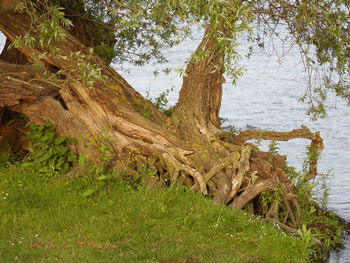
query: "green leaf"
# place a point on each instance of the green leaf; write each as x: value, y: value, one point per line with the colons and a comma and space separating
x: 60, y: 140
x: 103, y: 148
x: 60, y: 162
x: 82, y: 159
x: 73, y: 140
x: 89, y: 192
x: 44, y: 158
x: 102, y: 177
x: 47, y: 124
x: 48, y: 137
x: 72, y: 157
x: 61, y: 149
x: 65, y: 168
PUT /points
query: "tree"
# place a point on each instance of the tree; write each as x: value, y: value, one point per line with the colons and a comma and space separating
x: 59, y: 72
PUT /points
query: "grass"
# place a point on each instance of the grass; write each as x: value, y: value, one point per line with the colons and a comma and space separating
x: 103, y: 219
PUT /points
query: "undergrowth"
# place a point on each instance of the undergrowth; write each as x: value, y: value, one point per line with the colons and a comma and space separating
x: 51, y: 156
x: 316, y: 223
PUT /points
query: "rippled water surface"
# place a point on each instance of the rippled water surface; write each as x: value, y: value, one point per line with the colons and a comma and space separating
x: 266, y: 97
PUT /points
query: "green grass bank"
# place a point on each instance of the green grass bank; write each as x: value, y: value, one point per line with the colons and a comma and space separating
x: 101, y: 218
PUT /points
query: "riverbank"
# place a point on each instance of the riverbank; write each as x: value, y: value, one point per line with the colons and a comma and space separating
x: 101, y: 218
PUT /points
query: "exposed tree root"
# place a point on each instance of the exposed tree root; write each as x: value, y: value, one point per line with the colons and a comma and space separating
x: 242, y: 167
x: 251, y: 192
x: 273, y: 211
x: 291, y: 229
x: 230, y: 160
x: 187, y: 169
x: 303, y: 132
x: 282, y: 226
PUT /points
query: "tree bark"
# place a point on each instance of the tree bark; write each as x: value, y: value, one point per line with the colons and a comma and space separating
x: 201, y: 93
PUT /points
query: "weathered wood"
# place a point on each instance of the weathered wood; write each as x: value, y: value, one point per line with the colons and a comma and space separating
x: 251, y: 192
x: 273, y: 211
x: 303, y: 132
x: 7, y: 5
x: 113, y: 86
x: 291, y: 229
x: 20, y: 84
x: 282, y: 226
x: 111, y: 108
x: 315, y: 147
x: 243, y: 167
x: 223, y: 185
x: 290, y: 213
x: 230, y: 160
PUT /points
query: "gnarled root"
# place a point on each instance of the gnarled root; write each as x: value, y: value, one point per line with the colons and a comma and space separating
x: 240, y: 178
x: 251, y: 192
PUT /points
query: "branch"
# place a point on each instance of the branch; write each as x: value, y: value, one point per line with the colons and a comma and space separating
x: 302, y: 132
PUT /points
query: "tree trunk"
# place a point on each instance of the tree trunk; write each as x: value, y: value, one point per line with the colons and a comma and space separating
x: 201, y: 93
x: 188, y: 147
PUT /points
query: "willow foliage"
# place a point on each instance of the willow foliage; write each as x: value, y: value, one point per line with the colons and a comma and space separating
x: 137, y: 31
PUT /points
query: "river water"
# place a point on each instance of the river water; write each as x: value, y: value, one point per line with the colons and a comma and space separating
x: 266, y: 97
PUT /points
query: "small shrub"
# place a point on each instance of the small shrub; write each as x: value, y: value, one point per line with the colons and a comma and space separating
x: 162, y: 103
x: 49, y: 154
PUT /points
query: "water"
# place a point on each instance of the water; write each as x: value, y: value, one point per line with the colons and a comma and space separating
x: 266, y: 97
